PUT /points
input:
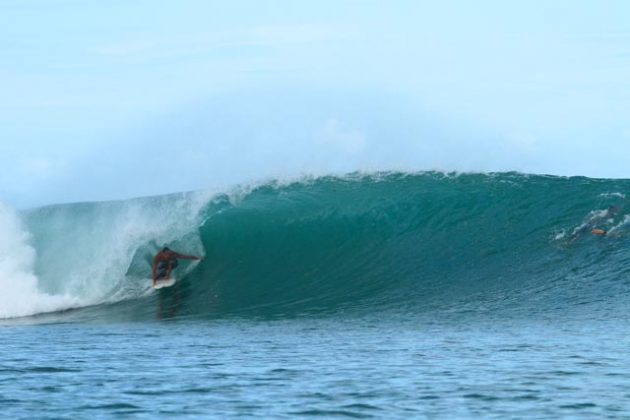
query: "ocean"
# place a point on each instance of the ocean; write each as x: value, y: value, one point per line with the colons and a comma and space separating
x: 369, y: 295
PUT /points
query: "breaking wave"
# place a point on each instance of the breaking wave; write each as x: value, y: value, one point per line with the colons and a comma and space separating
x: 418, y: 243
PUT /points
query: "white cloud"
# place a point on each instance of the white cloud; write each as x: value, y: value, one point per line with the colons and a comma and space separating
x: 301, y: 34
x: 342, y: 139
x: 36, y: 166
x: 198, y: 42
x: 524, y: 142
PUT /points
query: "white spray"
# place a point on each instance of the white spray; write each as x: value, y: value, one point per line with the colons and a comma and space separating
x: 19, y: 294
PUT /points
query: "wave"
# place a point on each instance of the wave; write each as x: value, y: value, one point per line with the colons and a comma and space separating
x: 420, y: 242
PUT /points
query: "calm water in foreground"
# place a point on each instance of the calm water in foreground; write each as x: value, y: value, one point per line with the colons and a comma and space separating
x: 331, y: 367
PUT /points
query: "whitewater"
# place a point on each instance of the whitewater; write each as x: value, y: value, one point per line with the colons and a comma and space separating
x: 365, y: 295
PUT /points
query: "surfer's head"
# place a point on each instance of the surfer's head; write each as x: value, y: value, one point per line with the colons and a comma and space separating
x: 165, y: 249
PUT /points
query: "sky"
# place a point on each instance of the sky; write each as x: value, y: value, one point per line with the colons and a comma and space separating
x: 124, y: 98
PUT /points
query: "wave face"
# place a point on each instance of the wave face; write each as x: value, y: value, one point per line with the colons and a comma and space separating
x: 418, y: 243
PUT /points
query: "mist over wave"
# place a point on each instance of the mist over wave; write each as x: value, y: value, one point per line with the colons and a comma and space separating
x: 414, y: 242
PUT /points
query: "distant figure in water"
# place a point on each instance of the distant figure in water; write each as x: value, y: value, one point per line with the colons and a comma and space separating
x: 165, y: 262
x: 595, y: 223
x: 611, y: 212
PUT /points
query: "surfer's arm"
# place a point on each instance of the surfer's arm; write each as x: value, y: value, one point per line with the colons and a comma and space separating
x: 186, y: 257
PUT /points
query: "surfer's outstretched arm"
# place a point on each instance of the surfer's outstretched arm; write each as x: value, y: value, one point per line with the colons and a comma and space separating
x: 186, y: 257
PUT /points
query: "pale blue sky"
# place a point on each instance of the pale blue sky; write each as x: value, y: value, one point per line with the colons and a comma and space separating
x: 103, y: 100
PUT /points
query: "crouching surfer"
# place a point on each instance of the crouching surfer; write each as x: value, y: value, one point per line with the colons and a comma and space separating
x: 165, y: 262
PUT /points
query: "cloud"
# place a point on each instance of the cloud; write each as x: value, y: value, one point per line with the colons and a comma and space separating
x: 301, y: 34
x: 336, y: 136
x: 522, y: 141
x: 22, y: 176
x: 203, y: 42
x: 36, y: 166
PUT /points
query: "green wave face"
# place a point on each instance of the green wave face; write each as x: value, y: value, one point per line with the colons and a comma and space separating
x: 417, y: 243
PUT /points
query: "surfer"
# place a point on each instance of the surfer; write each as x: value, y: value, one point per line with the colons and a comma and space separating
x: 165, y: 262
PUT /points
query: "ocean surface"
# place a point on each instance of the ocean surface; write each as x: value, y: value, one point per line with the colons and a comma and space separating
x: 386, y: 295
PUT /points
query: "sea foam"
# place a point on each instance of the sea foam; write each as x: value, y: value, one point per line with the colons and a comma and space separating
x: 20, y: 294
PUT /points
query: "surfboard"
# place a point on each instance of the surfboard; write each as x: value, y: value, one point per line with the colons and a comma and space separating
x: 159, y: 284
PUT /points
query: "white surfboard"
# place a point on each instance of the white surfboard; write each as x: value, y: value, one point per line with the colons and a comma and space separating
x: 164, y: 283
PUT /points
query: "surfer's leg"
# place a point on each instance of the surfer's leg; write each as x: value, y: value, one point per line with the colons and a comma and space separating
x: 163, y: 271
x: 169, y: 269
